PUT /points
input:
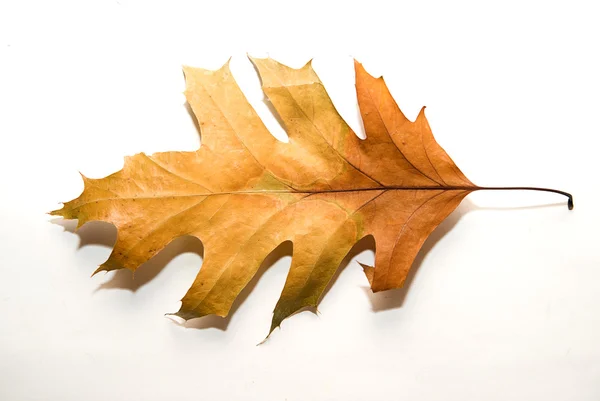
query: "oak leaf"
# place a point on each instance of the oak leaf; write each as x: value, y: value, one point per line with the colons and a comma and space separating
x: 243, y: 192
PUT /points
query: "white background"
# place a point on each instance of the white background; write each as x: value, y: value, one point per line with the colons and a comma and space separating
x: 503, y: 302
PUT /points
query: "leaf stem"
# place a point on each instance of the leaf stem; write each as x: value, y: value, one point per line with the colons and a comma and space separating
x: 556, y: 191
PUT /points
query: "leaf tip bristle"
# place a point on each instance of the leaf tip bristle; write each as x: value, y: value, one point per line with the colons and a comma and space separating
x: 57, y: 212
x: 253, y: 59
x: 84, y: 178
x: 421, y: 116
x: 101, y: 268
x: 271, y: 330
x: 369, y: 272
x: 308, y: 64
x: 189, y: 314
x: 264, y: 340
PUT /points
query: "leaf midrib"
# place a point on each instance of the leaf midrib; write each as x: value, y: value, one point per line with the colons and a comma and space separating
x: 268, y: 192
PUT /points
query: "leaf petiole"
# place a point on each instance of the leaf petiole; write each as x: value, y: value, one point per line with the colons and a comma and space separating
x: 556, y: 191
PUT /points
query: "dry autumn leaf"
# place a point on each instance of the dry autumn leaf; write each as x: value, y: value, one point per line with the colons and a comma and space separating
x: 244, y: 192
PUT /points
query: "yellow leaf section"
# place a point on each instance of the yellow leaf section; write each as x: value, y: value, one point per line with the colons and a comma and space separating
x: 155, y: 199
x: 243, y: 192
x: 239, y: 193
x: 311, y: 224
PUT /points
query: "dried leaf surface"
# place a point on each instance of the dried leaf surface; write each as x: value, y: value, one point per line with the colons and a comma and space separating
x: 244, y: 192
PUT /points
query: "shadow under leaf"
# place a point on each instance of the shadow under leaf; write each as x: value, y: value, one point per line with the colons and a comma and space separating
x: 91, y: 233
x: 125, y: 279
x: 102, y: 233
x: 393, y: 299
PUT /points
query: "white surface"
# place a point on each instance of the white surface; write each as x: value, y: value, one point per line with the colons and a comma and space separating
x: 505, y: 303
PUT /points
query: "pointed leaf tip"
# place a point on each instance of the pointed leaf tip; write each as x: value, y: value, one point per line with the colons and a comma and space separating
x: 100, y: 268
x: 369, y: 272
x: 308, y: 64
x: 57, y: 212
